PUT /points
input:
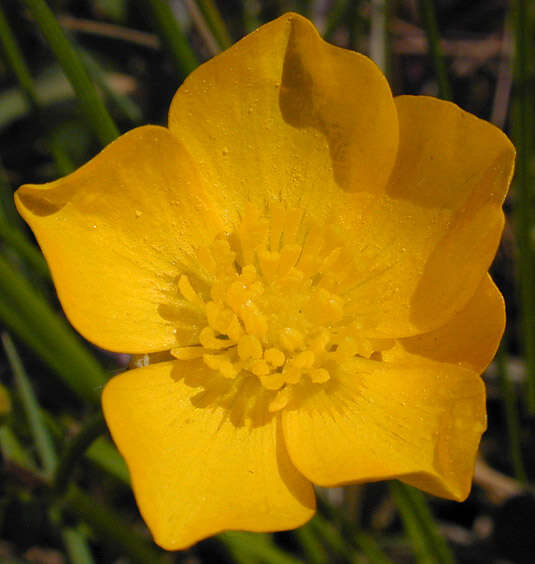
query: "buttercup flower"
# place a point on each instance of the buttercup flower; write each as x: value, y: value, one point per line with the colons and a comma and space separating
x: 310, y: 254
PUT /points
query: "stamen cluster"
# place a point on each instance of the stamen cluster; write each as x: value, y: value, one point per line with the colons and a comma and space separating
x: 272, y: 309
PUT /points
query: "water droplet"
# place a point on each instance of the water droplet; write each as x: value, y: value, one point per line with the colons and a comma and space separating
x: 94, y: 226
x: 224, y: 151
x: 139, y: 213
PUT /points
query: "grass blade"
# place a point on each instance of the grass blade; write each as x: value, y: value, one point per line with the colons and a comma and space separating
x: 109, y: 526
x: 172, y: 36
x: 429, y: 546
x: 76, y: 546
x: 42, y: 440
x: 16, y: 61
x: 258, y: 547
x: 215, y: 22
x: 27, y: 314
x: 512, y: 419
x: 94, y: 427
x: 429, y: 23
x: 523, y: 185
x: 92, y: 106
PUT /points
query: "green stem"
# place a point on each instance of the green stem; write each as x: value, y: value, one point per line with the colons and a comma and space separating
x: 92, y: 106
x: 172, y: 36
x: 429, y: 546
x: 512, y: 419
x: 42, y: 439
x: 523, y: 202
x: 429, y: 23
x: 76, y: 448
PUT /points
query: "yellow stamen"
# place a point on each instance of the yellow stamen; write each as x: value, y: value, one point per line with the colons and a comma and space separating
x: 187, y: 353
x: 208, y: 339
x: 291, y: 339
x: 319, y: 375
x: 220, y: 363
x: 275, y: 357
x: 281, y: 400
x: 275, y: 308
x: 249, y: 347
x: 186, y: 289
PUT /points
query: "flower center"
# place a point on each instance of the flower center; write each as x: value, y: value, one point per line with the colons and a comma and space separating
x: 275, y: 304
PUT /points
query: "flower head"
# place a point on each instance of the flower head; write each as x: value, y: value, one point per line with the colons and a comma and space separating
x: 310, y: 255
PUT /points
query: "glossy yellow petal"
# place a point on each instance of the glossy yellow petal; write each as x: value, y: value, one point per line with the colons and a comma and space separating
x: 284, y: 115
x: 427, y: 244
x: 194, y: 472
x: 420, y: 423
x: 469, y: 339
x: 117, y: 233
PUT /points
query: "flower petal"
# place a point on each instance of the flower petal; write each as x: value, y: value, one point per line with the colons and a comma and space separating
x: 284, y: 115
x: 116, y: 234
x: 469, y: 339
x: 194, y: 472
x: 420, y: 423
x: 427, y: 244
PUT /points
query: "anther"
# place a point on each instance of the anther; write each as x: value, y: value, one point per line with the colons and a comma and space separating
x: 291, y: 339
x: 281, y: 400
x: 275, y: 357
x: 208, y: 339
x: 320, y: 375
x: 249, y: 347
x: 220, y: 363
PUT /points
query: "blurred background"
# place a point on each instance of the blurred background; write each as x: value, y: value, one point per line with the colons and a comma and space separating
x: 64, y: 490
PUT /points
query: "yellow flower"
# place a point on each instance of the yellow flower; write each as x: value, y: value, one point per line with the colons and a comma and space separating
x: 313, y: 255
